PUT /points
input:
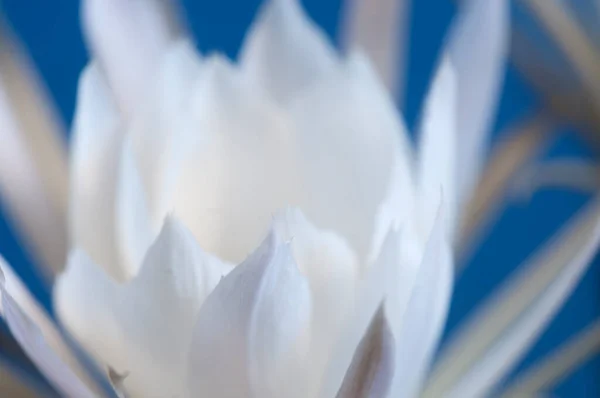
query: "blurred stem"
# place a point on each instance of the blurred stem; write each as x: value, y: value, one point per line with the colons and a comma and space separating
x: 576, y: 46
x: 559, y: 364
x: 380, y: 28
x: 523, y: 142
x: 572, y: 174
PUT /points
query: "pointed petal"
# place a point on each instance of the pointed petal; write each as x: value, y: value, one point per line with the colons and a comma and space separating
x: 372, y: 368
x: 437, y: 164
x: 499, y: 335
x: 423, y: 320
x: 153, y: 130
x: 397, y: 209
x: 379, y: 28
x: 95, y: 162
x: 33, y: 158
x: 284, y: 51
x: 252, y: 330
x: 332, y: 270
x: 143, y: 327
x: 348, y: 138
x: 380, y: 279
x: 128, y: 38
x: 234, y: 152
x: 478, y: 48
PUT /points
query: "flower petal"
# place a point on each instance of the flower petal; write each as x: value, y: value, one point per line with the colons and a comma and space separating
x: 284, y: 51
x: 348, y: 137
x: 381, y: 278
x: 134, y: 231
x: 234, y: 153
x: 33, y: 158
x: 478, y: 47
x: 372, y: 368
x: 498, y: 335
x: 128, y: 38
x: 39, y: 338
x: 95, y: 162
x: 251, y: 333
x: 144, y: 327
x: 31, y: 339
x: 437, y: 149
x: 332, y: 270
x: 153, y: 129
x: 423, y: 320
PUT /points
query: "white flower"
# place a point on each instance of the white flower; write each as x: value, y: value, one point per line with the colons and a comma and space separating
x: 265, y: 229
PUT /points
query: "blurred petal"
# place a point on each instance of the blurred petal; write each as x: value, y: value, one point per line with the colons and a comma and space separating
x: 33, y: 158
x: 251, y: 333
x: 153, y: 130
x: 37, y: 336
x: 233, y: 153
x: 31, y: 339
x: 372, y: 368
x: 128, y: 38
x: 34, y: 313
x: 284, y: 51
x: 379, y: 28
x: 348, y: 138
x: 396, y: 210
x: 477, y: 48
x: 96, y: 148
x: 143, y: 327
x: 499, y: 335
x: 134, y: 231
x: 332, y: 270
x: 437, y: 149
x: 423, y: 320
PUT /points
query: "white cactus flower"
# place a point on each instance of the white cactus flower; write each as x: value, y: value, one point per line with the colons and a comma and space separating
x: 265, y: 228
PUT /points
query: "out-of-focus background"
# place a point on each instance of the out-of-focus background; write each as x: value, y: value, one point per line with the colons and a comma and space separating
x: 51, y: 33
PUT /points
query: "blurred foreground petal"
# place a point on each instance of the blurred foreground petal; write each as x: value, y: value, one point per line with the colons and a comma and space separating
x: 40, y: 344
x: 33, y: 158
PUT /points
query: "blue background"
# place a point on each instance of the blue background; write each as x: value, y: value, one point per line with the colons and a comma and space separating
x: 51, y: 33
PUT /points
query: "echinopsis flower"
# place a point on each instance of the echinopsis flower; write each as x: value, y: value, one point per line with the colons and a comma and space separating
x: 265, y: 228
